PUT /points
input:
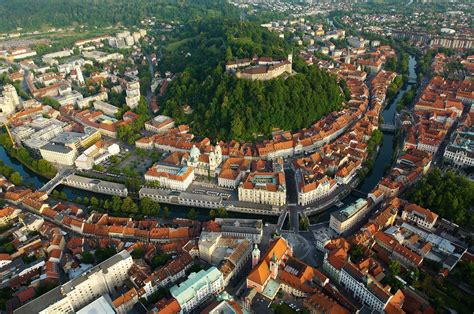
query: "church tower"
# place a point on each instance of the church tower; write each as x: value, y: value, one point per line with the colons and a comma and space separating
x: 255, y: 256
x: 218, y: 152
x: 274, y: 267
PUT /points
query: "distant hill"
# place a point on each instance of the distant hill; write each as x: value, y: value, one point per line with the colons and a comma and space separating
x: 43, y: 14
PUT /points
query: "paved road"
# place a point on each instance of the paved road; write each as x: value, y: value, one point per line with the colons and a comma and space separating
x: 438, y: 156
x: 149, y: 93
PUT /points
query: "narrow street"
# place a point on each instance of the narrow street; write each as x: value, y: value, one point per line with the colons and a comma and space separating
x: 149, y: 93
x: 292, y: 199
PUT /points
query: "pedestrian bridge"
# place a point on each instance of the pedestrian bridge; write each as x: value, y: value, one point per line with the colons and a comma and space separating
x: 359, y: 193
x: 386, y: 127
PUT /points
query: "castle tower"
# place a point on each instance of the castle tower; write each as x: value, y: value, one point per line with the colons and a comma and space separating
x: 255, y: 256
x: 290, y: 57
x: 274, y: 267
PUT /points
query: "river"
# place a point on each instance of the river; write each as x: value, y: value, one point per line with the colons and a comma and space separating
x: 385, y: 153
x: 35, y: 181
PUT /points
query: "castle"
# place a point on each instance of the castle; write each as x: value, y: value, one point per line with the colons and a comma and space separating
x: 262, y: 69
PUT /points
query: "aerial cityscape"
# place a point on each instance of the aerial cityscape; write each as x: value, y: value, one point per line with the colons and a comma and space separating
x: 236, y: 156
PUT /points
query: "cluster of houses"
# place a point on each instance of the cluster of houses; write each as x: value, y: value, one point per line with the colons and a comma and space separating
x: 244, y: 167
x: 440, y: 105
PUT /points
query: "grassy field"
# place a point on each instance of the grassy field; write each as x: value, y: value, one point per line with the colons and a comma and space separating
x: 175, y: 45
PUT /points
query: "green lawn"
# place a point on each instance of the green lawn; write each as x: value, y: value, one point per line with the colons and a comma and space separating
x: 175, y: 45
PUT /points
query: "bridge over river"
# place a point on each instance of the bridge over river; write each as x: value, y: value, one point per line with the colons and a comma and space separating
x: 57, y: 180
x: 387, y: 127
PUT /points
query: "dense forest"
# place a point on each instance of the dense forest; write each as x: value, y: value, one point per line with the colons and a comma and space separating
x: 198, y: 47
x: 42, y: 14
x: 231, y: 108
x: 227, y: 107
x: 449, y: 195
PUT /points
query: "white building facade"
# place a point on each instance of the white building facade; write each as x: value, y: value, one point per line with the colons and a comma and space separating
x: 197, y: 288
x: 80, y: 291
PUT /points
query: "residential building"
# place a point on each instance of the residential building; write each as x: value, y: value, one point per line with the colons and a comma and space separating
x: 7, y: 214
x: 233, y: 169
x: 197, y: 288
x: 167, y: 274
x: 171, y: 176
x: 5, y: 259
x: 106, y: 108
x: 341, y: 221
x: 312, y: 187
x: 264, y: 188
x: 159, y: 124
x: 223, y: 306
x: 91, y: 100
x: 320, y: 303
x: 102, y: 57
x: 102, y: 305
x: 397, y: 251
x: 20, y: 53
x: 364, y: 287
x: 460, y: 151
x: 420, y: 216
x: 79, y: 292
x: 133, y: 94
x: 9, y: 100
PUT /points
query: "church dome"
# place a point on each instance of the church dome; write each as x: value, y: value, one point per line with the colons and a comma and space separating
x: 194, y: 153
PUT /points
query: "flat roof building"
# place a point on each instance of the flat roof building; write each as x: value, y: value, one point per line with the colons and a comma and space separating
x: 341, y: 221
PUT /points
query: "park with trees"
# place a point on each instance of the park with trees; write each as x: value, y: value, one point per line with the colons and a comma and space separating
x: 449, y: 195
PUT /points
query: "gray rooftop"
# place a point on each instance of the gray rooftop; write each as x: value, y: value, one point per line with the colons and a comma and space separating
x: 253, y: 226
x: 39, y: 304
x: 68, y: 137
x: 200, y: 197
x: 56, y: 148
x: 60, y: 292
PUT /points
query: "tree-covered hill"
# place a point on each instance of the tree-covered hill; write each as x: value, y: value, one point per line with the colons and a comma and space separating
x: 225, y: 107
x: 199, y: 46
x: 40, y: 14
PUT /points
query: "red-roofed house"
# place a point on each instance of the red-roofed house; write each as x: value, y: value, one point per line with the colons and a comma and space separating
x: 420, y: 216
